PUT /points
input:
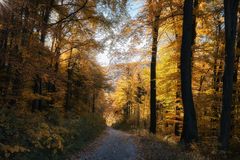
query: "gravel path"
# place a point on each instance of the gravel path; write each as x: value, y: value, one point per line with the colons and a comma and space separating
x: 113, y: 145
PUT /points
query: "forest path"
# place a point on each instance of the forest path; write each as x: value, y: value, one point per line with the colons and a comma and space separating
x: 112, y: 145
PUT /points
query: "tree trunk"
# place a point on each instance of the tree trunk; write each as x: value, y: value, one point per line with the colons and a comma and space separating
x: 217, y: 79
x: 69, y: 84
x: 46, y: 17
x: 93, y: 101
x: 178, y: 105
x: 190, y: 132
x: 230, y: 12
x: 153, y: 116
x: 235, y: 76
x: 37, y: 89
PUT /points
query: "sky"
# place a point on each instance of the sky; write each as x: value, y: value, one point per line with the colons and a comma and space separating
x: 134, y: 7
x: 3, y: 4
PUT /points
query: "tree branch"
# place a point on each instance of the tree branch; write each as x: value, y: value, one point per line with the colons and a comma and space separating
x: 70, y: 15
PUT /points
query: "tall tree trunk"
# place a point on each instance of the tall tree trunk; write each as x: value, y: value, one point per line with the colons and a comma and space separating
x: 190, y: 132
x: 230, y: 12
x: 178, y: 105
x: 235, y: 76
x: 216, y: 70
x: 217, y: 78
x: 46, y: 17
x: 4, y: 69
x: 93, y: 101
x: 69, y: 83
x: 3, y: 47
x: 153, y: 116
x: 138, y: 115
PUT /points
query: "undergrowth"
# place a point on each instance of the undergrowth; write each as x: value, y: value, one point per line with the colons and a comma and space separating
x: 48, y: 135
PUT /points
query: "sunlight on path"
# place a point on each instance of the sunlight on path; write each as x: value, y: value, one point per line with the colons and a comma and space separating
x: 114, y: 145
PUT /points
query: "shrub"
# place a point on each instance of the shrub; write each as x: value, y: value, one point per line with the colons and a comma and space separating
x: 124, y: 125
x: 45, y: 135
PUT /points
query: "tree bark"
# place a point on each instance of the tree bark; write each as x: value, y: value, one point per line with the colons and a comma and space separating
x: 190, y: 132
x: 235, y: 77
x: 230, y: 12
x: 153, y: 116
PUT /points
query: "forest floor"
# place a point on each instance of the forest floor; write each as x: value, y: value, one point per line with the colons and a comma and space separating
x: 118, y: 145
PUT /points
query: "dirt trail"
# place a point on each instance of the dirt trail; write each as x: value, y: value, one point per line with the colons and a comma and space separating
x: 113, y: 145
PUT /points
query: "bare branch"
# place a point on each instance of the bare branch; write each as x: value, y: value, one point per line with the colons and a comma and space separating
x: 70, y: 15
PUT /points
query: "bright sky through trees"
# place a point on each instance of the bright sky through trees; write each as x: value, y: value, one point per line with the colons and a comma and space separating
x: 134, y: 6
x: 3, y: 2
